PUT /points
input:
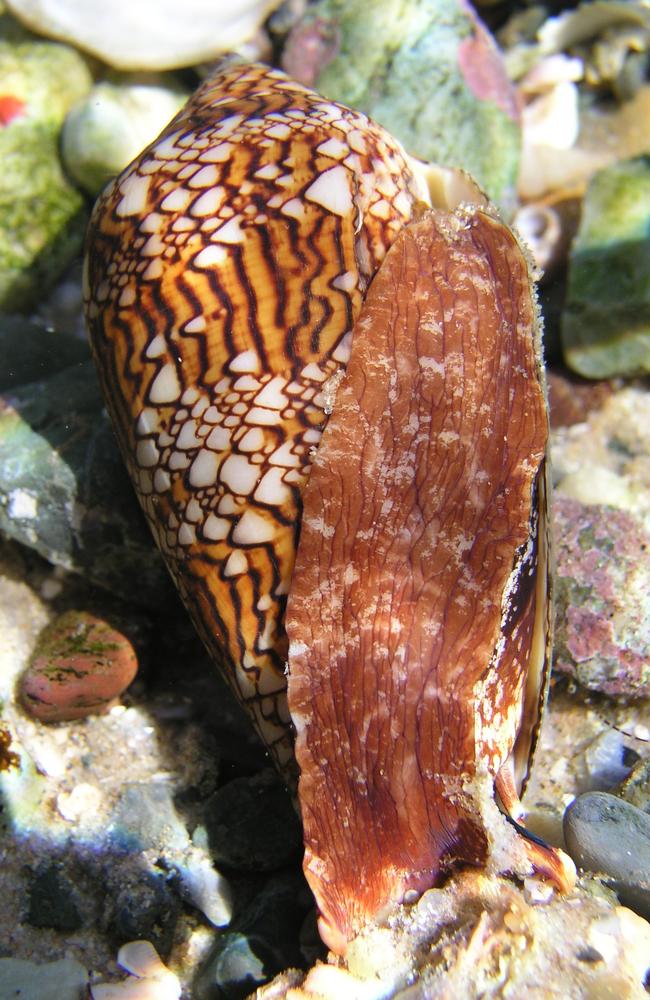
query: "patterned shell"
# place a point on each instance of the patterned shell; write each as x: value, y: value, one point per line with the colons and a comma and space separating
x: 225, y: 269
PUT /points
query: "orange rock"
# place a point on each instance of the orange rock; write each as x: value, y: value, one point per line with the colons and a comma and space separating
x: 81, y: 664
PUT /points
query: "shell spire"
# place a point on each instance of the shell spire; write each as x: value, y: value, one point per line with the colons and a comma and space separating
x: 225, y: 269
x: 418, y: 617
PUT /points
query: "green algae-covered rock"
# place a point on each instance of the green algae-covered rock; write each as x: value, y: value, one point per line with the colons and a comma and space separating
x: 42, y: 216
x: 114, y: 122
x: 429, y: 72
x: 606, y: 322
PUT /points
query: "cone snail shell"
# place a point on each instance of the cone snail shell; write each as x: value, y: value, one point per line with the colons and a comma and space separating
x: 226, y: 267
x: 226, y: 270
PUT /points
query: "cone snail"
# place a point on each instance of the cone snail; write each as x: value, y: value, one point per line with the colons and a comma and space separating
x: 265, y: 241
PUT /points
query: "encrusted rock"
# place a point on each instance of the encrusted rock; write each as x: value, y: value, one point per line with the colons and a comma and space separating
x: 480, y: 937
x: 603, y: 602
x: 80, y: 666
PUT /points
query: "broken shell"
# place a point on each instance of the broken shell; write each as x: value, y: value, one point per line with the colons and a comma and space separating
x: 419, y: 612
x: 151, y: 979
x: 541, y: 229
x: 225, y: 269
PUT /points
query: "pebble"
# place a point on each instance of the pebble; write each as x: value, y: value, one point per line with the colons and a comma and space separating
x: 149, y: 978
x: 606, y: 835
x: 57, y: 446
x: 21, y: 979
x: 604, y: 762
x: 81, y: 664
x: 252, y: 825
x: 204, y: 887
x: 83, y: 800
x: 262, y: 941
x: 236, y: 966
x: 145, y: 818
x: 117, y: 119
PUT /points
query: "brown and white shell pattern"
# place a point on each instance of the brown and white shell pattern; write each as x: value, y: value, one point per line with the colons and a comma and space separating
x: 225, y: 269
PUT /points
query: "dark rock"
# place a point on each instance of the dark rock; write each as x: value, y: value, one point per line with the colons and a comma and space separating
x: 51, y: 901
x: 252, y: 825
x: 31, y: 351
x: 145, y: 908
x: 608, y: 836
x: 276, y: 915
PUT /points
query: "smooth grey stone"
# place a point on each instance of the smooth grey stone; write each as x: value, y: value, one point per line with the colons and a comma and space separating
x: 606, y: 835
x: 21, y: 979
x: 252, y: 825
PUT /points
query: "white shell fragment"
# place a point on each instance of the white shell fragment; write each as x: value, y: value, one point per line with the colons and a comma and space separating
x: 152, y: 979
x: 149, y: 34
